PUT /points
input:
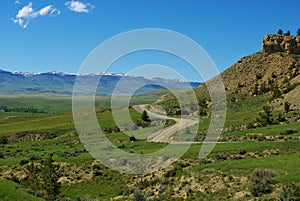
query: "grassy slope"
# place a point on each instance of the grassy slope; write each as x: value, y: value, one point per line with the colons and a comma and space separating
x: 284, y: 164
x: 12, y: 191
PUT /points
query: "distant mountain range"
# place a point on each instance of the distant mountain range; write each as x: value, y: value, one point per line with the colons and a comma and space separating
x: 63, y: 83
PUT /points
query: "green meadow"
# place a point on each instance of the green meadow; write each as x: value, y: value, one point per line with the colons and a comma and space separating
x: 31, y: 136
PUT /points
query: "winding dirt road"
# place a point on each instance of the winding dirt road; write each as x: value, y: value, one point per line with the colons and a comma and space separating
x: 167, y: 134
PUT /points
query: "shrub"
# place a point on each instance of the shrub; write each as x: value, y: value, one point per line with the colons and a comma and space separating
x: 270, y: 82
x: 132, y: 138
x: 96, y: 170
x: 250, y: 125
x: 180, y: 165
x: 285, y: 80
x: 64, y: 154
x: 263, y: 88
x: 296, y: 72
x: 261, y: 138
x: 202, y: 103
x: 169, y: 122
x: 290, y: 192
x: 242, y: 151
x: 116, y: 129
x: 240, y: 85
x: 122, y: 146
x: 139, y: 196
x: 170, y: 173
x: 1, y: 155
x: 24, y: 162
x: 107, y: 130
x: 220, y: 157
x: 143, y: 184
x: 273, y: 75
x: 287, y: 107
x: 288, y: 132
x: 202, y: 112
x: 261, y: 181
x: 142, y: 123
x: 204, y: 161
x: 259, y: 76
x: 35, y: 158
x: 3, y: 139
x: 279, y: 32
x: 280, y: 118
x: 255, y: 90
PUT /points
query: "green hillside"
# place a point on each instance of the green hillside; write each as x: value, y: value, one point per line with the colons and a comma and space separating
x: 226, y: 172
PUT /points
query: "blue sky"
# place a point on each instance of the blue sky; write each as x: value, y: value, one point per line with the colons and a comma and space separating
x: 60, y: 34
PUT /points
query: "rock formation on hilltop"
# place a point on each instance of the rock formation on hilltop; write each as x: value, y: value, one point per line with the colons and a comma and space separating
x: 274, y: 71
x: 281, y: 43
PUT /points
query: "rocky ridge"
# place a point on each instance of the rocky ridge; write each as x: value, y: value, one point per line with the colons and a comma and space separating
x: 281, y: 43
x: 275, y: 68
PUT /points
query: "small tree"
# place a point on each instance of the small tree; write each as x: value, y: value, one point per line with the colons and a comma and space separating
x: 145, y: 116
x: 287, y: 107
x: 276, y: 92
x: 298, y: 32
x: 50, y: 176
x: 31, y: 179
x: 279, y: 32
x: 255, y: 90
x: 268, y: 110
x: 265, y: 117
x: 288, y: 33
x: 263, y: 88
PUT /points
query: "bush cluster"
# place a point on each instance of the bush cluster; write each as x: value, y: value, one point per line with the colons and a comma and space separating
x: 261, y: 181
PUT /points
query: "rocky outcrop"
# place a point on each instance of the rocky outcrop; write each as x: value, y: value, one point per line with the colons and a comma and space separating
x: 280, y: 43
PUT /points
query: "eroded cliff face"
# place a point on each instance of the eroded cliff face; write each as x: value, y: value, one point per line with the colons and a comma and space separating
x: 280, y: 43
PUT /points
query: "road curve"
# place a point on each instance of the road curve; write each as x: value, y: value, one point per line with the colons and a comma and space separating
x: 167, y: 134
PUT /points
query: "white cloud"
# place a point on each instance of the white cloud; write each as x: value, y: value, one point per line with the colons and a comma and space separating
x: 27, y: 13
x: 79, y: 7
x: 49, y: 10
x: 17, y: 2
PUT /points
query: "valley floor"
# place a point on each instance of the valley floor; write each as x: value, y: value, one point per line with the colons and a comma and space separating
x: 259, y: 163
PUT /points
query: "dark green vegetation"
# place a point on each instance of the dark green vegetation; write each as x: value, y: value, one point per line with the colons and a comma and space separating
x: 246, y: 159
x: 12, y: 191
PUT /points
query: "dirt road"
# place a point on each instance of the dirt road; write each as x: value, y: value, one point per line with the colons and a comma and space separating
x: 167, y: 134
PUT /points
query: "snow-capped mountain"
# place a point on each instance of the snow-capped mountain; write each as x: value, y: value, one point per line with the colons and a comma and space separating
x: 63, y: 83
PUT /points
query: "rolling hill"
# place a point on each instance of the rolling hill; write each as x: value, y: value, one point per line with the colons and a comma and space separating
x: 271, y: 72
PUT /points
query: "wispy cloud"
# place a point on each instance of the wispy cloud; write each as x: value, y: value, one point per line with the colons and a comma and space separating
x: 79, y: 7
x: 27, y: 13
x: 17, y: 2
